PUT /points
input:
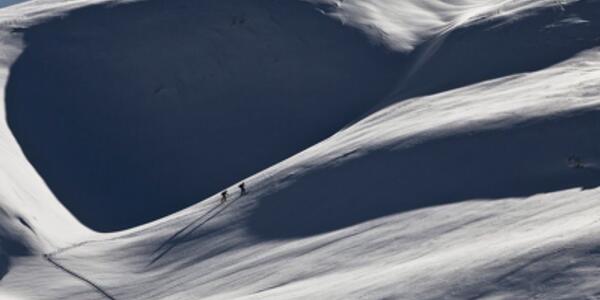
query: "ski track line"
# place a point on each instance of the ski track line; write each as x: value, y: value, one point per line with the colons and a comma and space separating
x: 215, y: 211
x: 80, y: 277
x: 149, y: 229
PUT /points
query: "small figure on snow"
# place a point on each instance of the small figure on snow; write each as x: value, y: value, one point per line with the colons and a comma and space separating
x: 575, y: 162
x: 224, y: 196
x: 242, y: 187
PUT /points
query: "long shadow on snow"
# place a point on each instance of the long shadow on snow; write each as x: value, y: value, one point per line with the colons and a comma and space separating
x: 521, y: 161
x: 135, y: 111
x: 142, y: 109
x: 499, y: 48
x: 186, y: 233
x: 10, y: 246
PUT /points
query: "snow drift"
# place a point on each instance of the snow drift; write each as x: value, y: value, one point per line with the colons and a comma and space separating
x: 208, y: 93
x: 437, y: 163
x: 211, y: 92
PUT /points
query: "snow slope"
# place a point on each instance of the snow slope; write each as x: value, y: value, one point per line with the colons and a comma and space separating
x: 458, y: 191
x: 216, y: 108
x: 32, y: 220
x: 403, y: 25
x: 243, y: 87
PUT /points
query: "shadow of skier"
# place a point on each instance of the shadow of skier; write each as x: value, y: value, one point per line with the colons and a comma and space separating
x: 183, y: 233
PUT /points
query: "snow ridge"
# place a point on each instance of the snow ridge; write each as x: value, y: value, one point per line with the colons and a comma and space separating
x: 402, y: 25
x: 466, y: 193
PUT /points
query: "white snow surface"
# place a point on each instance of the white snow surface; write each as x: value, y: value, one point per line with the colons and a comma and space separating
x: 22, y: 191
x: 404, y: 24
x: 537, y: 244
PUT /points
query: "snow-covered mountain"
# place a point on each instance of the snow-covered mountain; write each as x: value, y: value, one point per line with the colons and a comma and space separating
x: 418, y: 149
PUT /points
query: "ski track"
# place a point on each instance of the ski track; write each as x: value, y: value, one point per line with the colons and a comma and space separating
x: 80, y: 277
x: 540, y: 244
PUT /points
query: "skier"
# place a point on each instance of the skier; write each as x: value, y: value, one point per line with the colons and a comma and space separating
x: 242, y: 187
x: 224, y: 196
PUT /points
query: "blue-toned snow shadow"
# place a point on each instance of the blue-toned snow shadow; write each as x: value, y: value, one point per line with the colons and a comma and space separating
x: 522, y: 161
x: 135, y: 111
x: 497, y: 48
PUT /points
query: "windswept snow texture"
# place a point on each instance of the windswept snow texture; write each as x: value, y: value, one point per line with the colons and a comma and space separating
x: 539, y: 240
x: 522, y: 161
x: 499, y: 48
x: 210, y: 92
x: 126, y: 130
x: 452, y: 154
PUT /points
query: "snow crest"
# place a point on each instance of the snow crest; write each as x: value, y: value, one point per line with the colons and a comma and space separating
x: 462, y: 194
x: 402, y: 25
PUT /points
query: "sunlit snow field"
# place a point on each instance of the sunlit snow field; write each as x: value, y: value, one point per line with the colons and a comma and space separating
x: 391, y: 149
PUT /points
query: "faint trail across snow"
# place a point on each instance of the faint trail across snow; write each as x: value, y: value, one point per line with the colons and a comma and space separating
x: 172, y: 241
x: 80, y: 277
